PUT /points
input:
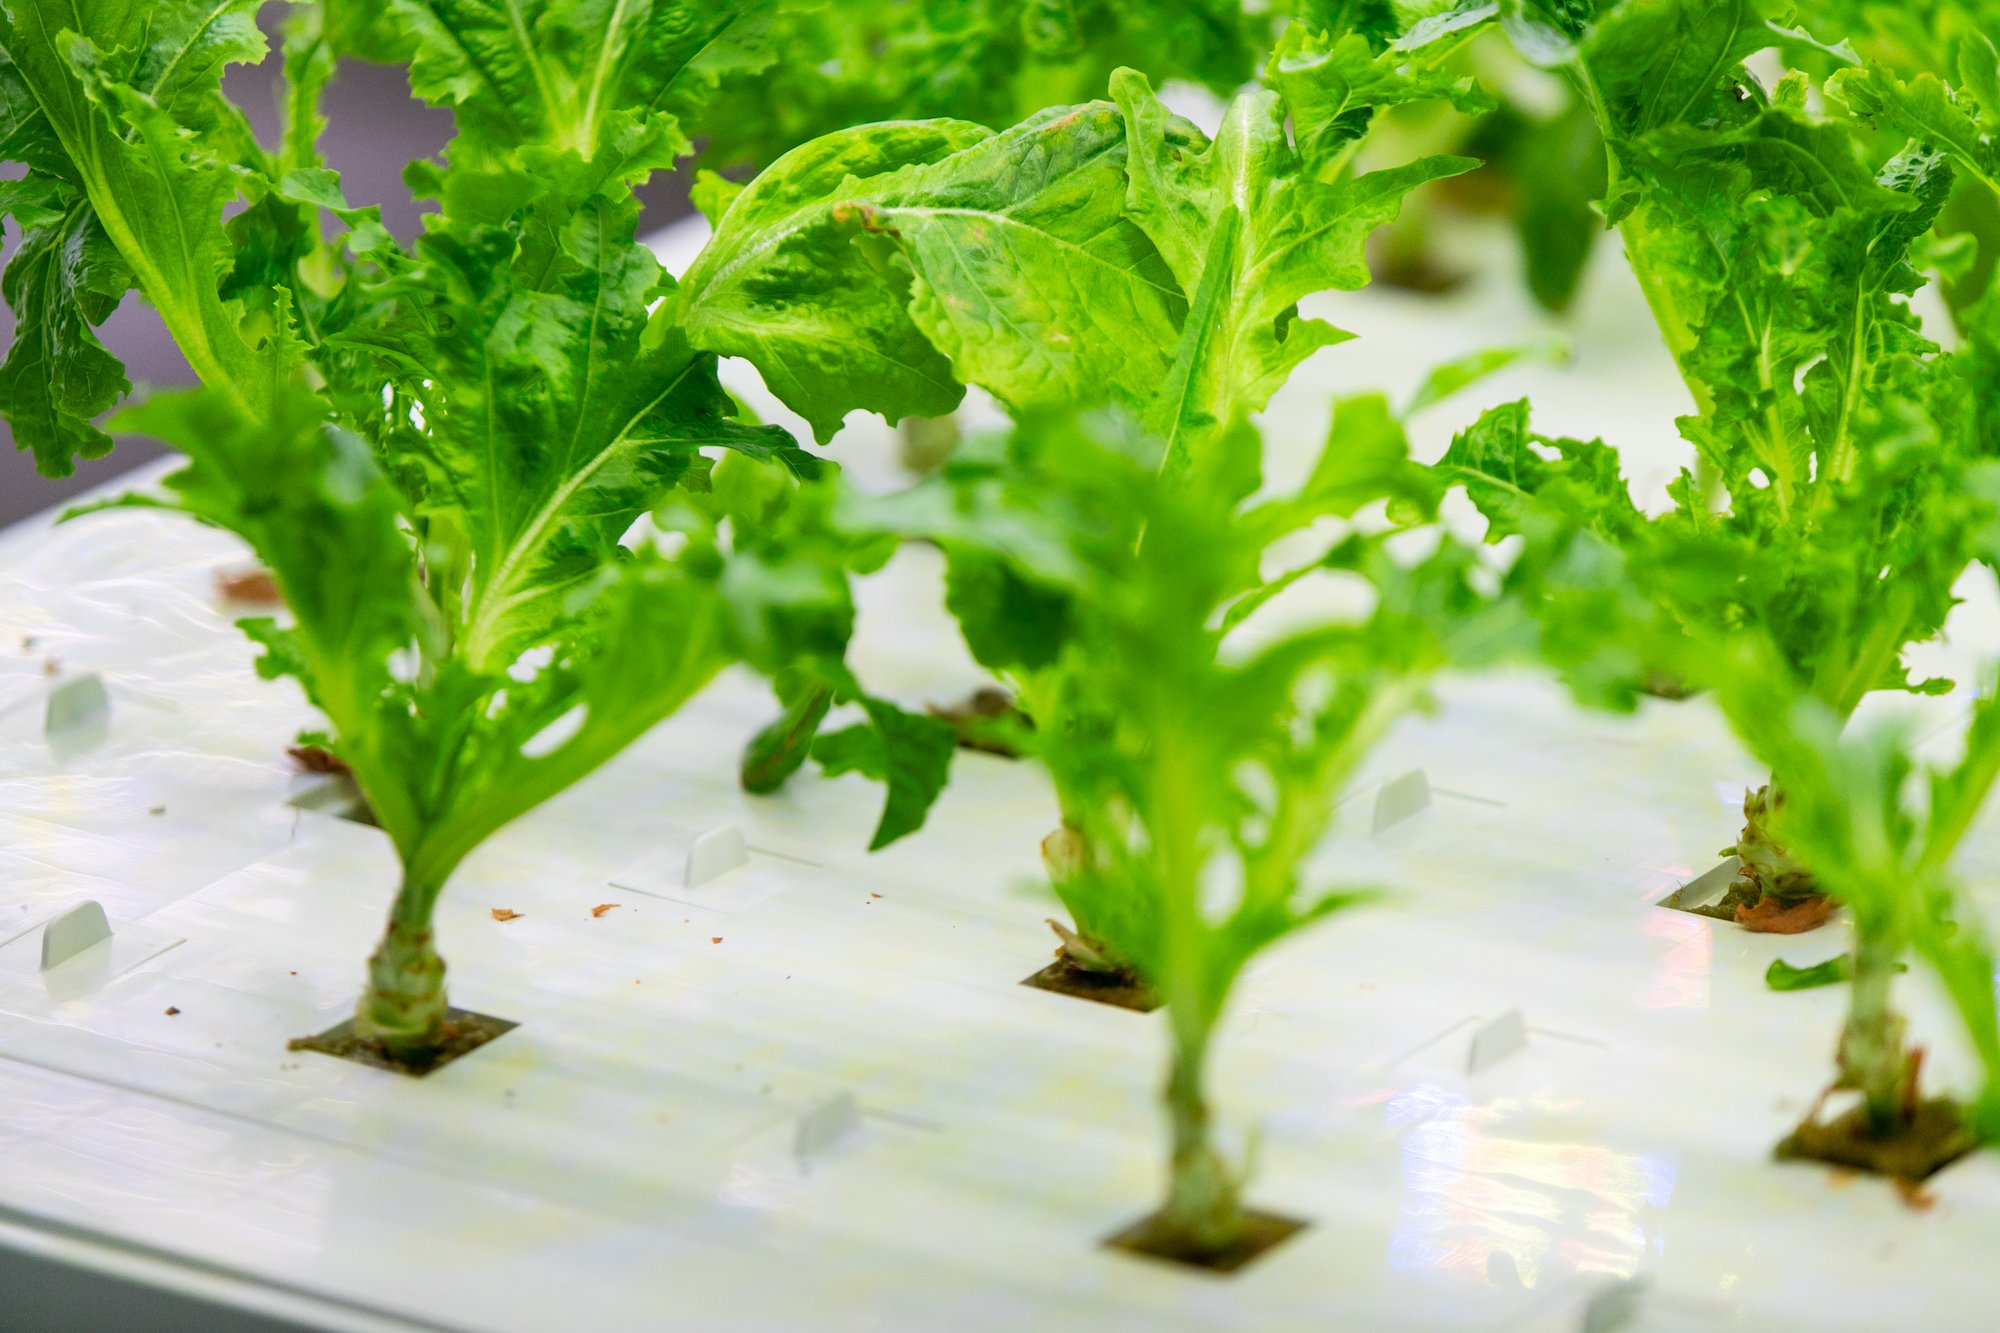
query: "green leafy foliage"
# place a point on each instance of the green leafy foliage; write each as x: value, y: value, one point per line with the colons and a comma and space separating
x: 1336, y: 77
x: 447, y: 748
x: 609, y: 84
x: 485, y: 416
x: 525, y: 375
x: 793, y: 565
x: 1027, y: 274
x: 131, y: 153
x: 1145, y: 264
x: 533, y: 410
x: 1828, y: 512
x: 1882, y: 833
x: 1845, y: 472
x: 1089, y: 255
x: 816, y: 68
x: 64, y: 279
x: 1929, y: 71
x: 908, y: 753
x: 1558, y: 163
x: 1248, y: 232
x: 1191, y: 747
x: 784, y: 284
x: 442, y: 748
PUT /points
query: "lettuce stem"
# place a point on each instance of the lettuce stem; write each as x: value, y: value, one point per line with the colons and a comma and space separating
x: 1203, y: 1213
x: 404, y: 1006
x: 1874, y: 1059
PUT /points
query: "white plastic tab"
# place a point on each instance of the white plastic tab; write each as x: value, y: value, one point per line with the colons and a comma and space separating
x: 1401, y: 798
x: 78, y: 717
x: 715, y: 853
x: 1705, y: 888
x: 81, y: 927
x: 1495, y: 1040
x: 717, y: 872
x: 826, y: 1129
x: 77, y: 952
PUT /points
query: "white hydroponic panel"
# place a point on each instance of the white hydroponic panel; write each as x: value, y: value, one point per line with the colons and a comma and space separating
x: 810, y: 1094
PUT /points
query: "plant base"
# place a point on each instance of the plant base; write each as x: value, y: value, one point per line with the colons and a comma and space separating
x: 1936, y: 1136
x: 1744, y: 904
x: 1120, y: 989
x: 464, y: 1033
x: 1261, y: 1231
x: 1773, y: 916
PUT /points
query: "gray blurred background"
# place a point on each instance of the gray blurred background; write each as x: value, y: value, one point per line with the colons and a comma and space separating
x: 374, y: 129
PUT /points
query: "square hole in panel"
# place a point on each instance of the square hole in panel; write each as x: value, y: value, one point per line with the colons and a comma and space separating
x: 465, y: 1032
x: 1262, y: 1232
x: 1938, y: 1135
x: 1065, y: 978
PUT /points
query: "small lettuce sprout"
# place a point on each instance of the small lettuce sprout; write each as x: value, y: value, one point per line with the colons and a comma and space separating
x: 1883, y: 831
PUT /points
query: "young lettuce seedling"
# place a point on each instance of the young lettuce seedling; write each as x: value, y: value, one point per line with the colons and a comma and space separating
x: 1197, y: 752
x: 1833, y: 436
x: 446, y: 750
x: 1888, y: 858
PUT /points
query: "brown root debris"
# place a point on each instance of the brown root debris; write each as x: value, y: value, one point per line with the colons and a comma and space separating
x: 1777, y: 916
x: 987, y: 720
x: 1933, y: 1135
x: 314, y: 759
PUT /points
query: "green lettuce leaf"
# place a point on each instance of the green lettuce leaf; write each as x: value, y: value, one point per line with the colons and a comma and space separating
x: 908, y: 753
x: 1028, y: 276
x: 132, y: 154
x: 1248, y: 232
x: 783, y: 284
x: 552, y: 416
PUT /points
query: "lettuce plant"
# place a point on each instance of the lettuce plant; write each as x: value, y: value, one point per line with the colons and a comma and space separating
x: 436, y: 450
x: 445, y: 748
x: 1881, y: 831
x: 1828, y: 510
x: 1196, y: 753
